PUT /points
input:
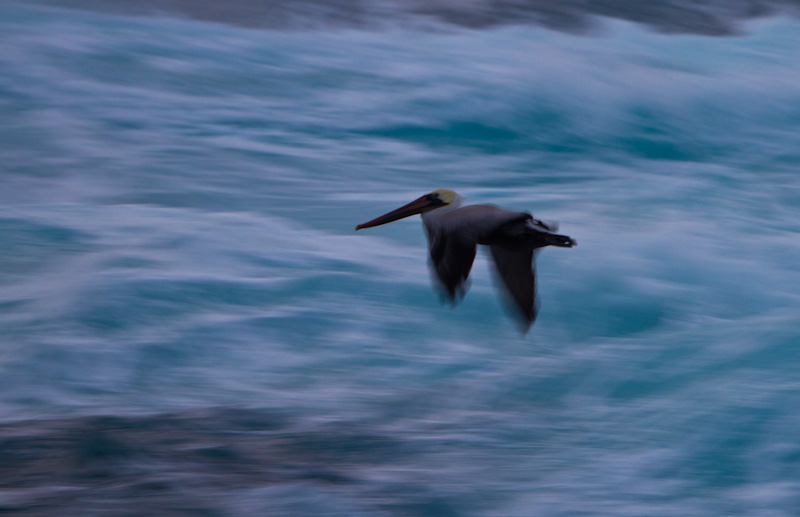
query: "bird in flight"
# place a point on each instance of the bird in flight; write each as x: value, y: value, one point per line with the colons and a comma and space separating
x: 454, y: 233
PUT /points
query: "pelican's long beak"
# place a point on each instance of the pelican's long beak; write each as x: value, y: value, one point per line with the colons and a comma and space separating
x: 417, y: 206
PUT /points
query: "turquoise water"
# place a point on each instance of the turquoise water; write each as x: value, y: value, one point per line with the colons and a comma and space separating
x: 191, y: 326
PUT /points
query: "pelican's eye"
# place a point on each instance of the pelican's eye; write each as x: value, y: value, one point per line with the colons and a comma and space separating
x: 433, y: 197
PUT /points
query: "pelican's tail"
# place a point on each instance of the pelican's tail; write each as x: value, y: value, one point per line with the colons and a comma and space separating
x: 562, y: 241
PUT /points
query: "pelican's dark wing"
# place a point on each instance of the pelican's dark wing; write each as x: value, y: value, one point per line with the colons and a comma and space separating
x: 516, y: 270
x: 451, y: 259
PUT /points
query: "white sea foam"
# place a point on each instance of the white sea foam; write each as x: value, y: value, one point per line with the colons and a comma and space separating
x: 179, y: 203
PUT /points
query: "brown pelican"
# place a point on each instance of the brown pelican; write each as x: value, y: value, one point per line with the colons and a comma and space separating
x: 454, y: 233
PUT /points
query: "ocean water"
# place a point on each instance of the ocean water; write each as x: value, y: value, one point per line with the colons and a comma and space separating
x: 190, y: 325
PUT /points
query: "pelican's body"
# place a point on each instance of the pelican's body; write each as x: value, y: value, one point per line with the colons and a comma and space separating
x: 454, y: 233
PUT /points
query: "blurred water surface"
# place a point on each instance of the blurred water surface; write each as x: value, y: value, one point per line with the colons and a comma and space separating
x: 190, y: 325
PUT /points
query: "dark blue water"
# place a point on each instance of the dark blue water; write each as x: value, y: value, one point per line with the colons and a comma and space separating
x: 190, y: 326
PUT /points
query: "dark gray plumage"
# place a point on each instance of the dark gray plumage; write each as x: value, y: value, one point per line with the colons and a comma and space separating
x: 453, y: 237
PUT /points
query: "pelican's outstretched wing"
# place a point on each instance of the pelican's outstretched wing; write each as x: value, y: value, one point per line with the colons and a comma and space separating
x: 516, y: 270
x: 451, y: 259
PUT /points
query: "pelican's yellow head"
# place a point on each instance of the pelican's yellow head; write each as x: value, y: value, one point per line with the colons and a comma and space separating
x: 446, y: 196
x: 439, y: 198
